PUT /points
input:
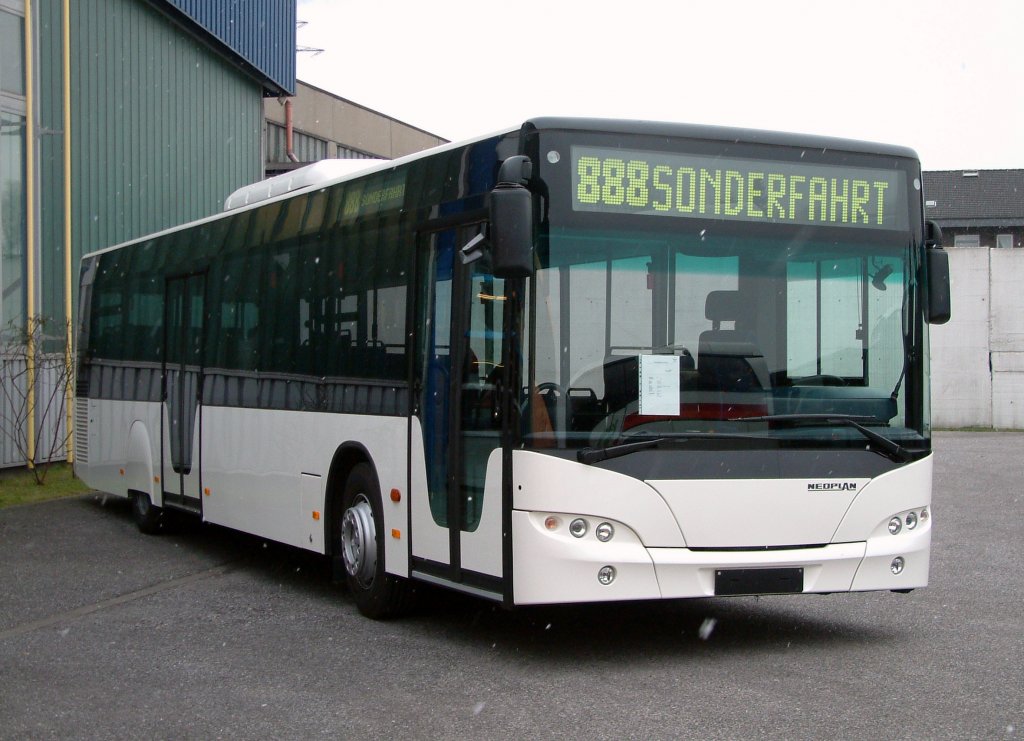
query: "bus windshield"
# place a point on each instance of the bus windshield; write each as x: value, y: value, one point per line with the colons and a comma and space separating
x: 653, y: 333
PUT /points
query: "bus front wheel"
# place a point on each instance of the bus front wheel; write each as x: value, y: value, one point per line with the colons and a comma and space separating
x: 377, y: 594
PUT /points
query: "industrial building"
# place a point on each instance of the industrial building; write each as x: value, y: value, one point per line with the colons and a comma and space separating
x: 326, y: 126
x: 124, y: 117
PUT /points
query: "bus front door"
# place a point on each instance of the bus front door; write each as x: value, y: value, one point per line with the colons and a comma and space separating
x: 456, y: 511
x: 183, y: 343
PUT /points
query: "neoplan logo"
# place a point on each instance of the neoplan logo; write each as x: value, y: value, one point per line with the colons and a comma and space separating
x: 833, y: 486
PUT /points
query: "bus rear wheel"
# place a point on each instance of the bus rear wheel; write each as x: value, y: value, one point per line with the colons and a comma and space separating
x: 377, y: 594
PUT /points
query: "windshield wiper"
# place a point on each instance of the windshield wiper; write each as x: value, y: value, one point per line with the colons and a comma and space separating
x: 596, y: 455
x: 891, y: 448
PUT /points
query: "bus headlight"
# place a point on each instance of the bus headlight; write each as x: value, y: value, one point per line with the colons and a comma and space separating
x: 895, y: 525
x: 911, y: 520
x: 604, y: 532
x: 606, y: 575
x: 897, y: 564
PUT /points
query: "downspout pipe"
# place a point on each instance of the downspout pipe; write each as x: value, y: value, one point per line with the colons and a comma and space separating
x: 69, y: 399
x: 288, y: 131
x: 30, y: 235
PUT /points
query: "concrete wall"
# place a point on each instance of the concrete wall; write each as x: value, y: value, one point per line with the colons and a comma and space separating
x: 978, y: 357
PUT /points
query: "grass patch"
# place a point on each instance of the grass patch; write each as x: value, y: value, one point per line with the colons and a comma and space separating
x: 18, y: 486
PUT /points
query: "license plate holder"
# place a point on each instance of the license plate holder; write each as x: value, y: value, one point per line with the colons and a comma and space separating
x: 732, y: 582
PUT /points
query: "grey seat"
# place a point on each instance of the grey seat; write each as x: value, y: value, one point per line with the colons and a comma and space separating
x: 729, y: 359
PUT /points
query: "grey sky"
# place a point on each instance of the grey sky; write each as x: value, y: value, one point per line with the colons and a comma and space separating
x: 944, y: 77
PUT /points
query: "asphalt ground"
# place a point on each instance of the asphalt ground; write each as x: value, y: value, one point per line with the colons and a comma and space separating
x: 208, y: 633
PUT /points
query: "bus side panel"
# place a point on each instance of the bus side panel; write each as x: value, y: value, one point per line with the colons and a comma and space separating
x: 481, y: 548
x: 142, y: 462
x: 123, y: 452
x: 259, y: 467
x: 429, y: 540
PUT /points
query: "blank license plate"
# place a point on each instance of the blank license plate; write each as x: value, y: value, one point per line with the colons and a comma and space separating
x: 758, y: 581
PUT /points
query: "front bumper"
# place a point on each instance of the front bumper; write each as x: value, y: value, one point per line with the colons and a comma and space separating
x: 552, y: 566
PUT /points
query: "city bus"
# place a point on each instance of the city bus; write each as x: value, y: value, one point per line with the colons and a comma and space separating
x: 575, y: 361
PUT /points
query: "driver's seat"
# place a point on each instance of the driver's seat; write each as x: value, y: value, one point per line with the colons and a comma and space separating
x: 729, y: 359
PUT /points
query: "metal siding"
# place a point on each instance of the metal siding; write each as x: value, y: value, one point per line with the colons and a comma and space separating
x: 50, y: 417
x: 262, y: 32
x: 163, y: 128
x: 51, y: 168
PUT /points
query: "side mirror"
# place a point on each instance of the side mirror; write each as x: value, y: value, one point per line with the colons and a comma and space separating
x: 511, y: 211
x: 939, y: 304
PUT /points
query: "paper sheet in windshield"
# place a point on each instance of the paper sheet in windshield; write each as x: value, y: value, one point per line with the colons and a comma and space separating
x: 659, y: 384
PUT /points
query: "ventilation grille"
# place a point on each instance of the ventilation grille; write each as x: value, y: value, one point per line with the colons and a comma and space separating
x: 82, y: 430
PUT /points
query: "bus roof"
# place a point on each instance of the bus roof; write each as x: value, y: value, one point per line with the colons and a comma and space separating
x: 542, y: 123
x: 720, y: 133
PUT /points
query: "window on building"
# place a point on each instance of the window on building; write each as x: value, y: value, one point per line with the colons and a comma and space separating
x: 347, y: 153
x: 1004, y: 241
x: 306, y: 148
x: 967, y: 240
x: 12, y: 53
x: 13, y: 224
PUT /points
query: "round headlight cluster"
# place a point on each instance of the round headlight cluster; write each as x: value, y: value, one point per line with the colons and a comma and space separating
x: 579, y: 527
x: 907, y: 520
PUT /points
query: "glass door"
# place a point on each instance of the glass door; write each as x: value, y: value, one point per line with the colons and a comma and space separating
x: 183, y: 342
x: 458, y: 386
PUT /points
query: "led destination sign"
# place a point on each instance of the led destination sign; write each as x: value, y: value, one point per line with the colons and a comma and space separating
x: 663, y: 184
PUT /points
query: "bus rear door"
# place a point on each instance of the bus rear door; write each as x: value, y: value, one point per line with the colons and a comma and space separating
x: 182, y: 379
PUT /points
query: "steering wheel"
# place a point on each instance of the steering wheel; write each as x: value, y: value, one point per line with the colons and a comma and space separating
x: 549, y: 387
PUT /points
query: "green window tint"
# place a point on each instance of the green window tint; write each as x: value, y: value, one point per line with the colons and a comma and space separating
x: 802, y: 319
x: 107, y: 331
x: 758, y: 326
x: 359, y: 314
x: 632, y: 303
x: 481, y: 374
x: 235, y: 292
x: 12, y: 53
x: 696, y: 276
x: 144, y: 316
x: 842, y: 352
x: 280, y: 307
x: 144, y: 319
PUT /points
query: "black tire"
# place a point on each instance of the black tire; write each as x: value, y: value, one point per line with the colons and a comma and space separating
x: 148, y: 517
x: 360, y: 545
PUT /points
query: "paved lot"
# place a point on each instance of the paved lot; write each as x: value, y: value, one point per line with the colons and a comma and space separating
x: 207, y: 633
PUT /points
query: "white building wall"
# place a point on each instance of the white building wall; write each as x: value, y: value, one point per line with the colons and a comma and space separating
x: 978, y: 357
x: 1007, y: 338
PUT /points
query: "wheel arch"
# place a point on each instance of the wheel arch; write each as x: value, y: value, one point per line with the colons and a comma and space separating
x: 139, y: 467
x: 346, y: 457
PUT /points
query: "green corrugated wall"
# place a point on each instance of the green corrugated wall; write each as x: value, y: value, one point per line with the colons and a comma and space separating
x: 50, y: 175
x: 163, y: 128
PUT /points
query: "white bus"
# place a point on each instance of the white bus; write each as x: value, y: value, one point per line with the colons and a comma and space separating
x: 577, y: 361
